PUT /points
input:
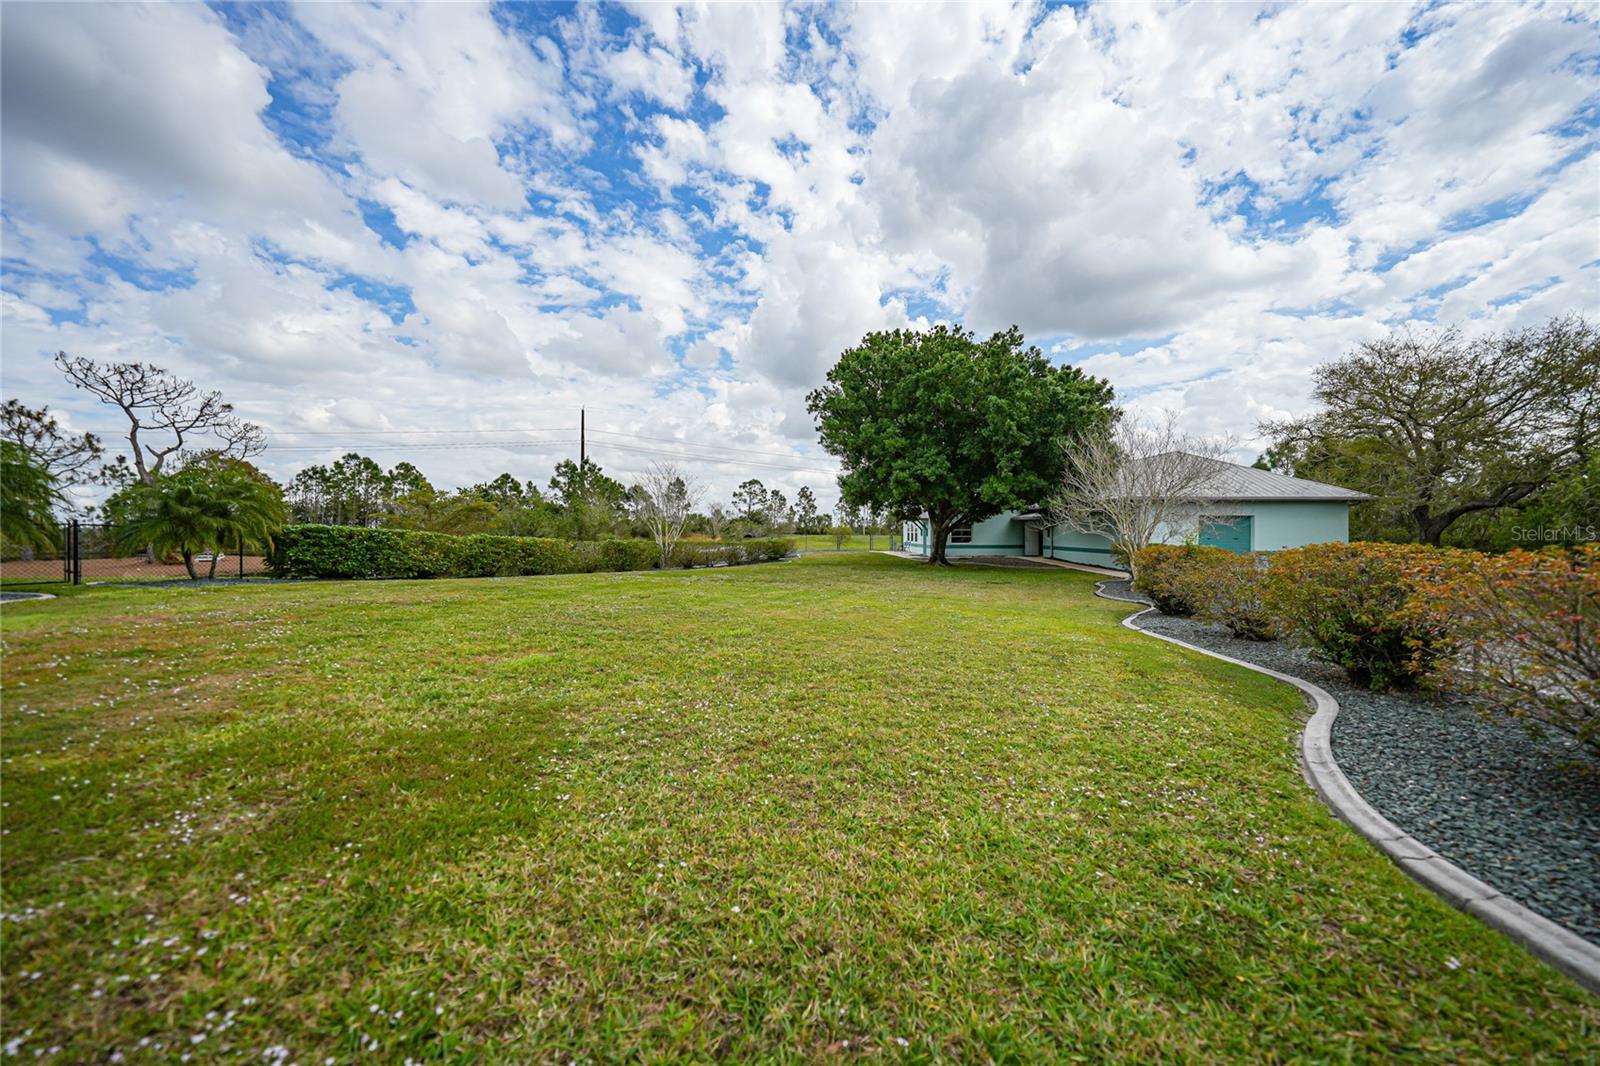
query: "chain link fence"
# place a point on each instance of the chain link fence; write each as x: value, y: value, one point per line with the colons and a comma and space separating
x: 87, y: 554
x: 35, y: 565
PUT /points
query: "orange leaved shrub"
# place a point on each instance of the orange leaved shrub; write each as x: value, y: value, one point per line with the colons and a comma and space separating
x: 1173, y: 575
x: 1528, y: 628
x: 1353, y: 605
x: 1230, y: 591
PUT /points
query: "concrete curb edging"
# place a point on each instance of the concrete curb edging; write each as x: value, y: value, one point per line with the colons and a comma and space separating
x: 1555, y: 944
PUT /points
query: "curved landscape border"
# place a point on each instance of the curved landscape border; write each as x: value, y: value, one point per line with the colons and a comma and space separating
x: 1555, y: 944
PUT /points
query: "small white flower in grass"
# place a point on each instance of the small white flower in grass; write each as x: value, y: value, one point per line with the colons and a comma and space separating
x: 736, y: 910
x: 1453, y: 962
x: 902, y: 1041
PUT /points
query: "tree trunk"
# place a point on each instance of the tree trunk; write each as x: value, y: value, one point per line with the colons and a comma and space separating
x: 143, y: 473
x: 211, y: 575
x: 938, y: 534
x: 188, y: 564
x: 1428, y: 528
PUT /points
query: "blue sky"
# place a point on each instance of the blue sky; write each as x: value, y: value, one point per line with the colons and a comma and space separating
x: 371, y: 225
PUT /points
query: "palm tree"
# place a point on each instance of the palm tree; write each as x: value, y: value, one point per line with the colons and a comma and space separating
x: 205, y: 507
x: 28, y: 496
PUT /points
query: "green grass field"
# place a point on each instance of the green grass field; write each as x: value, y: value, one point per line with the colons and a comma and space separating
x: 858, y: 542
x: 843, y: 807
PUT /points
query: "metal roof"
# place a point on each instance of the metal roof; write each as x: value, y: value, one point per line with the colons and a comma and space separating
x: 1232, y: 481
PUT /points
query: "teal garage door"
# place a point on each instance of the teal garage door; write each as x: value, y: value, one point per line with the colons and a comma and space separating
x: 1226, y: 531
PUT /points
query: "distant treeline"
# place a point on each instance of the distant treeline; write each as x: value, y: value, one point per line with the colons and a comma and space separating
x: 579, y: 503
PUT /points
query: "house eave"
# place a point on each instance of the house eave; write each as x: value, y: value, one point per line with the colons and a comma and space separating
x: 1353, y: 498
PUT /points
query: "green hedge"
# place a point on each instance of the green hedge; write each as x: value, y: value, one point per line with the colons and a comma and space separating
x: 311, y: 551
x: 766, y: 549
x: 627, y: 555
x: 690, y: 554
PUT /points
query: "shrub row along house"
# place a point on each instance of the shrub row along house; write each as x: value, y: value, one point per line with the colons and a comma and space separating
x: 1241, y: 509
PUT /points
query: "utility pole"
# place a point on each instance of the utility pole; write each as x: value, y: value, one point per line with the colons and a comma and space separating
x: 582, y: 443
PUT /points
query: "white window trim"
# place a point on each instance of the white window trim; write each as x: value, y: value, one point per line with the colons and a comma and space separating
x: 955, y: 539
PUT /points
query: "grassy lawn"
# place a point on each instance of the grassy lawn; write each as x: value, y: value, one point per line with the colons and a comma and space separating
x: 820, y: 542
x: 847, y: 806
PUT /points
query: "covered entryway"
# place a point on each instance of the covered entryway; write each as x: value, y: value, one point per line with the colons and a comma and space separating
x: 1033, y: 526
x: 1031, y: 541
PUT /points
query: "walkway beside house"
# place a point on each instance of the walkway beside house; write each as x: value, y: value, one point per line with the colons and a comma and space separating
x: 1037, y: 563
x: 1017, y: 562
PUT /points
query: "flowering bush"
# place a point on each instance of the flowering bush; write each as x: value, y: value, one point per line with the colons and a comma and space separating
x: 1530, y: 626
x: 1173, y: 576
x: 1230, y: 590
x: 1354, y: 605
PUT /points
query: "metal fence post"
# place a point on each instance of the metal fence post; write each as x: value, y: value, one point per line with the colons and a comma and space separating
x: 77, y: 552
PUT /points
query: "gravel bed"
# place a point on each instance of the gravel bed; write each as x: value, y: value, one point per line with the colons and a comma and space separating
x: 1519, y: 811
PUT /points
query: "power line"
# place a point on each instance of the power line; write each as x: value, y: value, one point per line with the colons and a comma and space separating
x: 683, y: 450
x: 696, y: 444
x: 528, y: 445
x: 681, y: 442
x: 717, y: 451
x: 710, y: 459
x: 418, y: 445
x: 415, y: 432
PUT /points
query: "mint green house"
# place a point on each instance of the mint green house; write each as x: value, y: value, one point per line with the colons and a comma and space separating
x: 1240, y: 508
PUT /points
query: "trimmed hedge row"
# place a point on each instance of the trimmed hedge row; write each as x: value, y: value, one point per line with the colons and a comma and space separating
x: 1354, y: 605
x: 1528, y: 635
x: 1518, y: 633
x: 687, y: 555
x: 312, y: 551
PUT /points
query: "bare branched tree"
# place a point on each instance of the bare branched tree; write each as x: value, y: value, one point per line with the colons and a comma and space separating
x: 1137, y: 485
x: 74, y: 459
x: 668, y: 500
x: 158, y: 405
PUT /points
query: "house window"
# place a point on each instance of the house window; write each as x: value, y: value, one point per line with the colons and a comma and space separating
x: 960, y: 534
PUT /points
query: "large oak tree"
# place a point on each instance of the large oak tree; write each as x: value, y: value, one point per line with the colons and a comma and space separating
x: 1440, y: 426
x: 938, y: 422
